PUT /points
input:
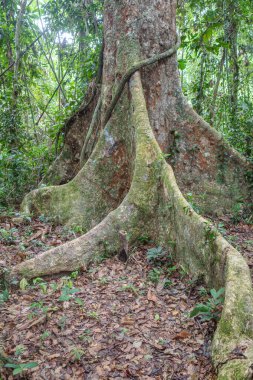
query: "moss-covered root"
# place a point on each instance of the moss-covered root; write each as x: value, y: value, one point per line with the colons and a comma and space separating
x: 98, y: 188
x: 232, y: 348
x: 203, y: 250
x: 99, y: 242
x: 155, y: 205
x: 134, y: 215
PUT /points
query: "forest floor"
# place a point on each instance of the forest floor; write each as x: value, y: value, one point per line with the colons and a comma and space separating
x: 111, y: 321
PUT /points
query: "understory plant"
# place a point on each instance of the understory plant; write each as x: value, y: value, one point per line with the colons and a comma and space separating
x: 20, y: 367
x: 163, y: 266
x: 212, y: 308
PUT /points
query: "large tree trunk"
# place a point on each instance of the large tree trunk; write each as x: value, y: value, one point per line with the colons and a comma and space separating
x: 126, y: 184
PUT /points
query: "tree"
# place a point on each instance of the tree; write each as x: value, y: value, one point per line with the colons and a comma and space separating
x: 139, y: 119
x: 215, y: 62
x: 47, y: 60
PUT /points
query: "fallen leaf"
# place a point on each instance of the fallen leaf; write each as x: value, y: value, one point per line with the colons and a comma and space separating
x: 127, y: 321
x: 53, y: 356
x: 182, y: 335
x: 151, y: 296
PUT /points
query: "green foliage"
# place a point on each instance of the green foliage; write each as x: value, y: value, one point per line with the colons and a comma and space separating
x: 104, y: 280
x: 212, y: 308
x: 79, y: 302
x: 77, y: 353
x: 187, y: 210
x: 19, y: 349
x: 43, y: 219
x: 171, y: 269
x: 60, y: 43
x: 86, y: 336
x: 154, y: 275
x: 144, y: 239
x: 221, y: 228
x: 202, y: 291
x: 190, y: 199
x: 23, y: 284
x: 74, y: 274
x: 41, y: 283
x: 210, y: 232
x: 4, y: 296
x: 93, y: 315
x: 59, y: 58
x: 7, y: 236
x: 129, y: 288
x: 216, y: 51
x: 155, y: 254
x: 20, y: 367
x: 46, y: 334
x: 237, y: 211
x: 67, y: 293
x: 162, y: 262
x: 183, y: 271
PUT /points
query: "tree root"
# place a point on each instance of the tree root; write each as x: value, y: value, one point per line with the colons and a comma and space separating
x: 206, y: 127
x: 100, y: 185
x: 155, y: 205
x: 102, y: 240
x: 206, y: 165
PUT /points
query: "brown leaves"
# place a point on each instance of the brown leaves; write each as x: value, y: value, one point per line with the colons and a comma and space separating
x: 182, y: 335
x: 31, y: 324
x: 127, y: 321
x: 151, y: 296
x: 124, y: 327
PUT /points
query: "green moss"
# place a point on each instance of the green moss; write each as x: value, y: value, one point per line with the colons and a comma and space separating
x: 234, y: 370
x: 225, y: 327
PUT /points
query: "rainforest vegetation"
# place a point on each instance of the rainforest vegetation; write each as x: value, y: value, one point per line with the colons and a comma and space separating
x: 126, y: 177
x: 49, y: 59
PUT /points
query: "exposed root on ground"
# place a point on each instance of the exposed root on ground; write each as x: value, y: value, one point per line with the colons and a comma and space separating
x: 121, y: 322
x: 155, y: 205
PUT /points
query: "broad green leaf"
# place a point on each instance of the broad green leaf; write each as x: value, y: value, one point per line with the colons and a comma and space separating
x: 11, y: 365
x: 64, y: 297
x: 199, y: 309
x: 182, y: 64
x: 18, y: 370
x: 30, y: 365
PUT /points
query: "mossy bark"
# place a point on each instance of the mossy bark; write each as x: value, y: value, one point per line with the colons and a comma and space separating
x: 126, y: 184
x: 155, y: 206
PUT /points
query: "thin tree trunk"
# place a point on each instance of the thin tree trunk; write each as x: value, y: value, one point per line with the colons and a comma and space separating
x: 200, y: 94
x: 216, y: 88
x: 18, y: 48
x: 231, y: 35
x: 14, y: 126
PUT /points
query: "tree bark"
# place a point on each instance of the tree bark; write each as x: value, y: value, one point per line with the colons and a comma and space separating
x: 216, y: 88
x: 127, y: 185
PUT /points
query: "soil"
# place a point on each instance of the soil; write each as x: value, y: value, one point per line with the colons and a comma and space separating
x: 114, y: 320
